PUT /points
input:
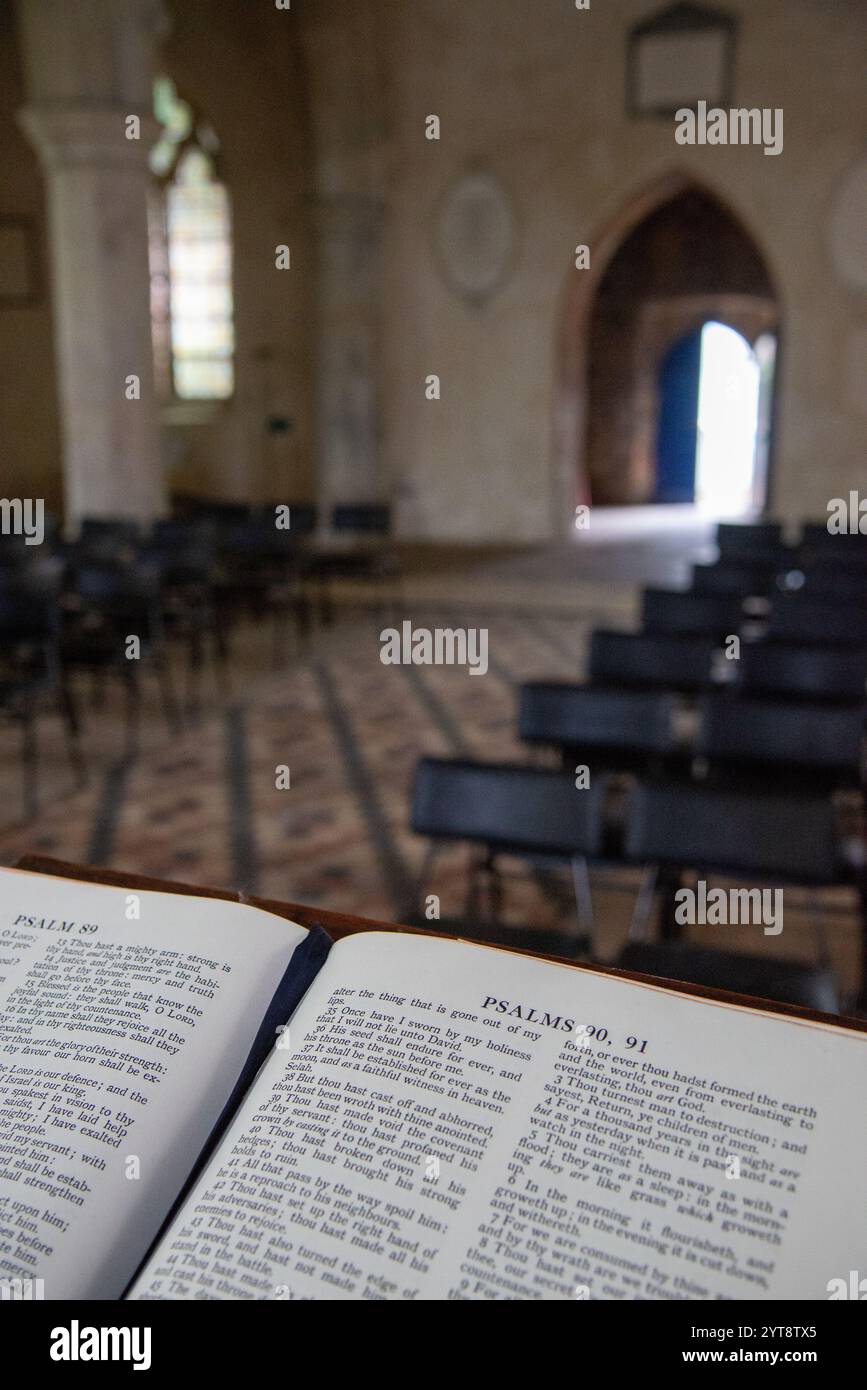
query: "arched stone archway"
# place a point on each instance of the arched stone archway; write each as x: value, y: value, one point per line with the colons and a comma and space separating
x: 657, y: 323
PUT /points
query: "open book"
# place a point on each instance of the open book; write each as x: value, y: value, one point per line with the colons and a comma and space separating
x: 200, y: 1100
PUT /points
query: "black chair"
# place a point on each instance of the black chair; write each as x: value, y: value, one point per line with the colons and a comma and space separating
x: 262, y: 569
x: 680, y: 613
x: 764, y: 977
x: 823, y: 621
x: 818, y: 542
x: 303, y: 516
x: 108, y: 606
x: 172, y: 534
x: 732, y: 831
x: 94, y: 527
x: 186, y: 507
x: 832, y: 674
x: 649, y: 659
x: 535, y: 814
x: 749, y: 541
x: 619, y: 730
x: 782, y: 744
x: 361, y: 518
x: 825, y: 583
x: 789, y: 840
x: 184, y: 561
x: 32, y: 571
x: 32, y: 676
x: 358, y: 551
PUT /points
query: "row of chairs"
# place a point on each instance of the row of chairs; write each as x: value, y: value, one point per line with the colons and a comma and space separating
x: 765, y: 542
x: 794, y: 617
x: 693, y: 663
x: 72, y: 606
x: 538, y: 816
x: 735, y: 738
x: 746, y: 768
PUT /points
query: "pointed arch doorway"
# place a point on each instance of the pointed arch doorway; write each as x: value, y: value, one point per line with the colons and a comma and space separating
x: 674, y: 261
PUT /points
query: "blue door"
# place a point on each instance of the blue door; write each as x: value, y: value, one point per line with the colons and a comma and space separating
x: 676, y: 434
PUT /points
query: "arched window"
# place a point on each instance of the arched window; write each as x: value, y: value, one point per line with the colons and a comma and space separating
x: 191, y: 258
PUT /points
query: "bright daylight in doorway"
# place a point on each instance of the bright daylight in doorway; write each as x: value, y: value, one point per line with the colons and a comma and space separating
x: 727, y: 439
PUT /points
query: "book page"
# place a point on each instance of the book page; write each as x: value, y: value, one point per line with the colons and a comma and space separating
x: 451, y: 1121
x: 125, y: 1021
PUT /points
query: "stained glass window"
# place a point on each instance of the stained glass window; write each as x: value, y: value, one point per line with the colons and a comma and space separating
x: 191, y: 259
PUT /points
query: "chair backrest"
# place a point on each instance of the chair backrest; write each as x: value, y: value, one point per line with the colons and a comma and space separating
x: 816, y: 539
x: 303, y: 516
x: 740, y: 540
x: 25, y: 616
x: 121, y: 592
x: 730, y: 577
x: 765, y: 977
x: 826, y: 583
x: 824, y: 621
x: 807, y: 672
x: 580, y: 716
x: 766, y: 732
x: 97, y: 528
x: 362, y: 517
x: 256, y: 540
x: 172, y: 534
x: 676, y: 612
x: 41, y: 574
x: 185, y: 507
x: 524, y: 810
x: 178, y: 565
x: 650, y: 659
x: 789, y: 838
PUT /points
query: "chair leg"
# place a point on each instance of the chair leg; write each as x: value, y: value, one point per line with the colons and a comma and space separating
x: 97, y: 688
x: 69, y: 714
x: 29, y: 761
x: 222, y: 656
x: 303, y: 618
x: 326, y: 606
x: 643, y: 905
x: 279, y: 630
x: 668, y: 884
x: 471, y: 908
x: 414, y: 904
x: 583, y: 902
x: 495, y: 891
x: 167, y: 694
x: 133, y: 701
x: 195, y: 663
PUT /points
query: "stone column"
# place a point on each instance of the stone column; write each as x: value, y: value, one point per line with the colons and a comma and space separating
x: 348, y: 250
x: 89, y: 68
x: 349, y: 107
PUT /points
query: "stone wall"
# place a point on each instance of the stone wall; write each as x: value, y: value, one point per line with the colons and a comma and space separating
x: 29, y: 429
x: 533, y: 91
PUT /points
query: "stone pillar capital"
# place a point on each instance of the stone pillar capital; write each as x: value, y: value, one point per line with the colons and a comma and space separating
x: 66, y: 135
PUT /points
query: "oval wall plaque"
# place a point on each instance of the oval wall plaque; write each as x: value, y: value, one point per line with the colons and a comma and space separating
x: 474, y: 235
x: 848, y: 243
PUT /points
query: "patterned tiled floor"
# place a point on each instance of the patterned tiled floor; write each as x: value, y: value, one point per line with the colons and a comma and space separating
x: 203, y: 806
